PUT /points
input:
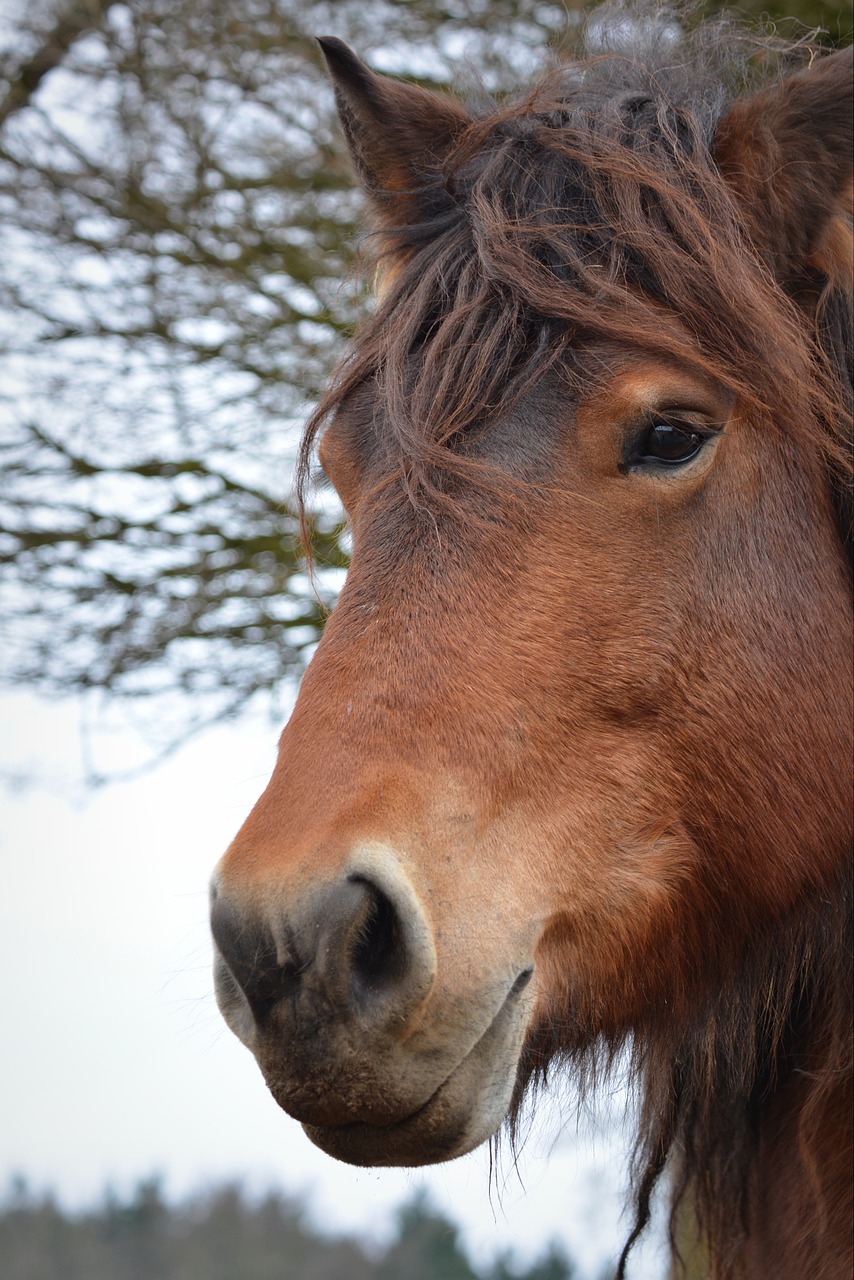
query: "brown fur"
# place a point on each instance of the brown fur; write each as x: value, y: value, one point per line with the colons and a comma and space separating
x: 654, y: 764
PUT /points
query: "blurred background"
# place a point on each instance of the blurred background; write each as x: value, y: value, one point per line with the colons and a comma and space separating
x: 178, y: 234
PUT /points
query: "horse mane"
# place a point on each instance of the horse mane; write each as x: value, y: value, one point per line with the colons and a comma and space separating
x: 590, y: 209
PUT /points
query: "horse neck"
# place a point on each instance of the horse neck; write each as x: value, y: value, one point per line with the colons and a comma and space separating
x: 801, y: 1193
x: 765, y: 1134
x: 803, y: 1185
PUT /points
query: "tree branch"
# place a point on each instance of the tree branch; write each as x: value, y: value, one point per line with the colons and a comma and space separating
x: 73, y: 21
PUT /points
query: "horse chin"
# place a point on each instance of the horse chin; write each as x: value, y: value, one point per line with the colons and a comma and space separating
x: 466, y: 1109
x: 436, y: 1133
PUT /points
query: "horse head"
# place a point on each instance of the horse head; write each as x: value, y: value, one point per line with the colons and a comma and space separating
x: 570, y: 769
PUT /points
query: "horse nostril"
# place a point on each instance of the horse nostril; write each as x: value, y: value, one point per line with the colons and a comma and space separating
x: 378, y: 957
x: 370, y: 944
x: 359, y: 948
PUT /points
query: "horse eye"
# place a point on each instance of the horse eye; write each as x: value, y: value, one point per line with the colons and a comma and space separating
x: 668, y: 443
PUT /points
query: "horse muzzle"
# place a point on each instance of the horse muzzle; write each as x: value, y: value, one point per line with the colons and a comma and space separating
x: 338, y: 990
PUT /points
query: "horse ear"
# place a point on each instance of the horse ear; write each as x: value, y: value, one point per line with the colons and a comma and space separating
x: 786, y: 152
x: 397, y: 133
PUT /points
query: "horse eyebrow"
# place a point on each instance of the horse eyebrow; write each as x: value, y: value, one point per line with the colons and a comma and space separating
x: 652, y: 381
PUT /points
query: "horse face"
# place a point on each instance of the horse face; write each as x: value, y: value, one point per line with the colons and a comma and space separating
x: 547, y: 768
x: 531, y: 761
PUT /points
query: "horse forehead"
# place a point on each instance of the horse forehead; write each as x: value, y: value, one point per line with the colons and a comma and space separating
x: 523, y: 439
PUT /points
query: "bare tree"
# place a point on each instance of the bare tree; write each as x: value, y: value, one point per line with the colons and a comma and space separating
x: 54, y: 36
x: 177, y: 226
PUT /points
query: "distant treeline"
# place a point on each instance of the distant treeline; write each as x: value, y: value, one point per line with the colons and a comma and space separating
x: 226, y: 1234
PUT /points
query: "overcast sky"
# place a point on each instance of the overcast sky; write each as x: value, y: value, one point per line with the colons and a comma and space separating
x: 116, y: 1063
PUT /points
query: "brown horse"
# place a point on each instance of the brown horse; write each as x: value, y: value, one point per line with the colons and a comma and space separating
x: 569, y: 777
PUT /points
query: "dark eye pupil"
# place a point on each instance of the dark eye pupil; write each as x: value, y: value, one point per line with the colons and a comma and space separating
x: 671, y: 444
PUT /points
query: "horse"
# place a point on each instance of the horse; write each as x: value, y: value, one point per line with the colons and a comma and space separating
x: 568, y: 780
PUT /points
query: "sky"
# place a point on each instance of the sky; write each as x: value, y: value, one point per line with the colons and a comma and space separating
x: 116, y: 1063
